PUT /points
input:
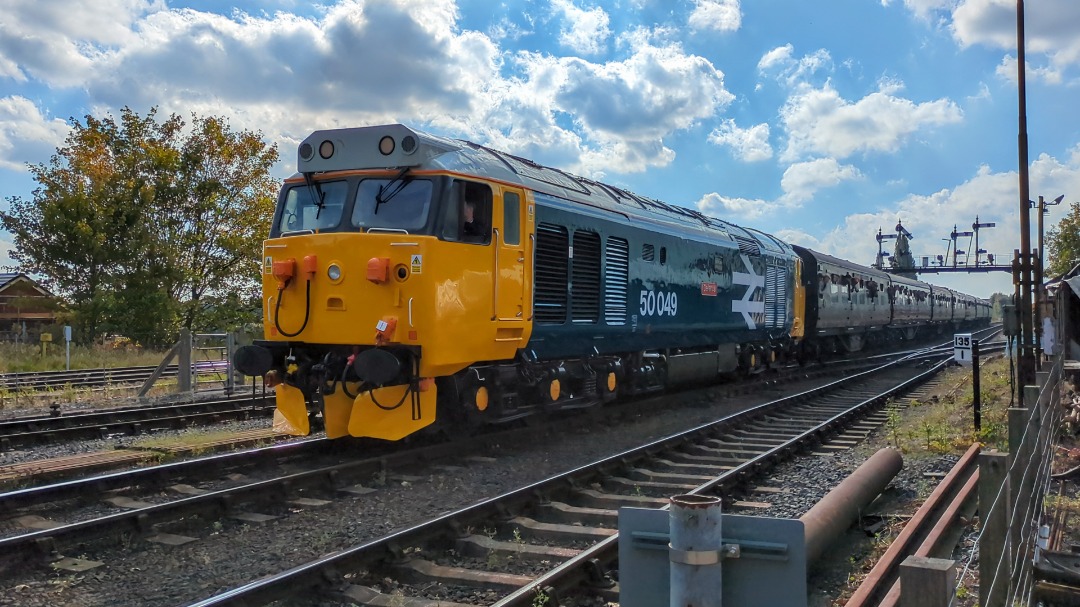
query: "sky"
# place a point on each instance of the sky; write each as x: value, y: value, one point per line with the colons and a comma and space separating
x: 819, y: 122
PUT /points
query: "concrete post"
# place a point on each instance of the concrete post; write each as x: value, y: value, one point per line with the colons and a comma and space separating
x: 927, y: 582
x: 695, y: 551
x: 995, y: 582
x: 184, y: 383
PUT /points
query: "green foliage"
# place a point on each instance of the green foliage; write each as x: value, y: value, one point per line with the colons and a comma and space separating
x: 1063, y: 243
x: 146, y: 226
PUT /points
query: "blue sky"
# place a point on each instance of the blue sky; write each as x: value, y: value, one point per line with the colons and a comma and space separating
x: 816, y: 121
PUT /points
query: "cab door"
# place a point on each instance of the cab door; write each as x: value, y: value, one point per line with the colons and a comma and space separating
x: 511, y: 236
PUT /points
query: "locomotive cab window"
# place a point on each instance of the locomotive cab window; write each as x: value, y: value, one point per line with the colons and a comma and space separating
x: 392, y: 204
x: 315, y: 207
x: 467, y: 213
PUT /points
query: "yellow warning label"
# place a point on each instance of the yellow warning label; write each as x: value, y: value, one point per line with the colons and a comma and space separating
x: 268, y: 265
x: 417, y: 264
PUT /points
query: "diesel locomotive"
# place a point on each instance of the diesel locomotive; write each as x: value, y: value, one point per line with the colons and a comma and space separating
x: 412, y: 281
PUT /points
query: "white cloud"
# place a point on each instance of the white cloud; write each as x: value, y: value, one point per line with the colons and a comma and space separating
x: 1050, y: 28
x: 719, y: 15
x: 27, y: 136
x: 736, y: 210
x: 782, y: 65
x: 990, y: 196
x: 819, y: 121
x: 585, y: 31
x: 621, y: 110
x: 799, y: 237
x: 371, y: 61
x: 925, y: 8
x: 59, y: 42
x: 1007, y: 70
x: 803, y: 179
x: 750, y: 145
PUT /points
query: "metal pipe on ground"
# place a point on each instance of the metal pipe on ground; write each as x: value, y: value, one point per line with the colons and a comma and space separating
x: 844, y: 504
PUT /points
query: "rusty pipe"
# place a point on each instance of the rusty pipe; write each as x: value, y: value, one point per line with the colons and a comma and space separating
x: 843, y: 505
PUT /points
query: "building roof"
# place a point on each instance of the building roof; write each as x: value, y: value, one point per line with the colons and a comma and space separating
x: 7, y: 278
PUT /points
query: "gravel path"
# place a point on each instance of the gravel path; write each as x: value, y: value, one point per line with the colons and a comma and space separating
x: 229, y: 553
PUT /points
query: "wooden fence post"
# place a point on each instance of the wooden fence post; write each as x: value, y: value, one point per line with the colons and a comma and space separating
x: 995, y: 581
x: 927, y: 582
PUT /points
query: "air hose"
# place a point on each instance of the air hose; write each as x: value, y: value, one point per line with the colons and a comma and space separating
x: 307, y: 310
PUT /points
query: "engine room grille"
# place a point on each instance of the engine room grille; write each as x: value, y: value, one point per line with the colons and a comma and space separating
x: 616, y: 281
x: 775, y: 297
x: 747, y: 246
x: 552, y: 260
x: 585, y: 278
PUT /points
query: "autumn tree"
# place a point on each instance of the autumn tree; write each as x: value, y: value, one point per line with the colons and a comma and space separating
x: 136, y: 222
x: 1063, y: 243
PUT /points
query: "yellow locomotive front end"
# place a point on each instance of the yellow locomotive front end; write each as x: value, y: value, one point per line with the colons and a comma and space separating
x: 386, y: 273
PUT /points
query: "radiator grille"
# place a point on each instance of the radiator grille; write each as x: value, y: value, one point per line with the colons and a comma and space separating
x: 775, y: 297
x: 552, y: 259
x: 616, y: 281
x: 585, y: 278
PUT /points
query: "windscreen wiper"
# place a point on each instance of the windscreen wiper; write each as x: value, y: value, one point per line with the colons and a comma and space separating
x: 317, y: 194
x: 396, y: 181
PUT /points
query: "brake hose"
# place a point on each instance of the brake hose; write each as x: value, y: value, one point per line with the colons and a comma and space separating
x: 307, y: 310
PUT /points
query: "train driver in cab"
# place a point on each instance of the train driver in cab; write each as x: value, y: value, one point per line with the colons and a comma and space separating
x: 472, y: 225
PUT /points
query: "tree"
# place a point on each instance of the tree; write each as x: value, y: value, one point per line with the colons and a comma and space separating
x: 1063, y: 243
x: 134, y: 222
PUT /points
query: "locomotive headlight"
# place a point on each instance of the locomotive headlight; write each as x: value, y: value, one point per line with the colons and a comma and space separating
x: 333, y: 272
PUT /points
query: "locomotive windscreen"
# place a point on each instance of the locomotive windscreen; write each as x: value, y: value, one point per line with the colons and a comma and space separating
x: 304, y: 212
x: 392, y: 204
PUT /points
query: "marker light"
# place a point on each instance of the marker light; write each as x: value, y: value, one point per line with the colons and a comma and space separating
x: 408, y: 144
x: 334, y: 272
x: 326, y: 149
x: 386, y: 145
x: 306, y: 151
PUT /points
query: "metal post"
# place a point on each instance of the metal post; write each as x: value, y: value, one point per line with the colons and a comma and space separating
x: 695, y: 551
x: 975, y: 388
x: 1039, y: 295
x: 230, y: 349
x: 995, y: 510
x: 1026, y: 360
x: 183, y: 373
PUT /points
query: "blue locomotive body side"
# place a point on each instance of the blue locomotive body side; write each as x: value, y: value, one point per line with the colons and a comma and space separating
x: 608, y: 283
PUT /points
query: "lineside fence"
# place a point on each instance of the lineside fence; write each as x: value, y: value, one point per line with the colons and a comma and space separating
x: 204, y: 363
x: 1012, y: 488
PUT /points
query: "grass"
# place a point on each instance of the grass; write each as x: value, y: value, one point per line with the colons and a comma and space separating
x: 189, y: 437
x: 16, y: 358
x: 947, y: 425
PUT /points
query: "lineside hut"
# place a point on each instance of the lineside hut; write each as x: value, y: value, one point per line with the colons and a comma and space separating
x: 26, y: 308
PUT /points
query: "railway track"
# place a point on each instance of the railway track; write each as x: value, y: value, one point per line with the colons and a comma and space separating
x: 126, y: 421
x: 558, y: 537
x: 158, y: 520
x: 31, y: 381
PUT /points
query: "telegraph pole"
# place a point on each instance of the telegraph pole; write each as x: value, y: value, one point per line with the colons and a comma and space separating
x: 1025, y: 369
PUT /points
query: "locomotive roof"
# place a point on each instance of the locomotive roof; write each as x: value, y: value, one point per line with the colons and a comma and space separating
x: 397, y: 147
